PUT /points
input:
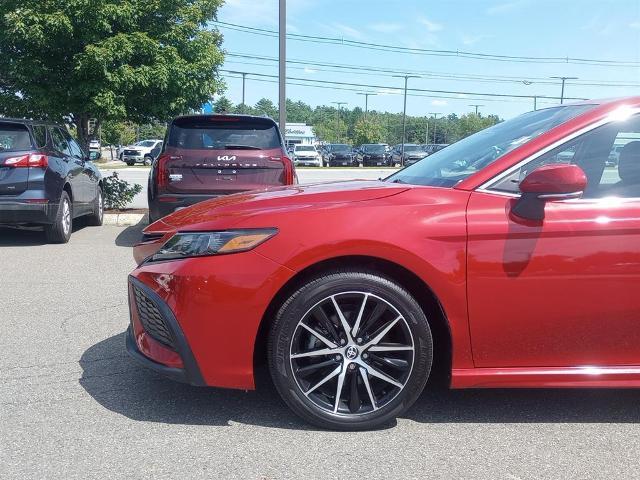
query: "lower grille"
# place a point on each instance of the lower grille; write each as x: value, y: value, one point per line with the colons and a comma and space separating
x: 151, y: 319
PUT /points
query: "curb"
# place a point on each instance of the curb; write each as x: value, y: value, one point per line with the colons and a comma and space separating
x: 124, y: 219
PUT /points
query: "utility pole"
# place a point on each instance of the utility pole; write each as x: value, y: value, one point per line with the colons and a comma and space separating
x: 435, y: 117
x: 564, y: 79
x: 404, y: 114
x: 339, y: 104
x: 535, y: 103
x: 366, y: 101
x: 244, y: 79
x: 282, y: 66
x: 476, y: 105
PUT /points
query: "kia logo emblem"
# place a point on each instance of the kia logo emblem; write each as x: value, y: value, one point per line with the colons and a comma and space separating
x: 226, y: 158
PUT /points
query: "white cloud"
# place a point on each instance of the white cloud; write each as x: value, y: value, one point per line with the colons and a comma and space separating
x: 635, y: 24
x: 346, y: 30
x: 461, y: 95
x: 389, y: 91
x: 505, y: 7
x: 468, y: 39
x: 309, y: 70
x: 431, y: 26
x: 385, y: 27
x: 438, y: 103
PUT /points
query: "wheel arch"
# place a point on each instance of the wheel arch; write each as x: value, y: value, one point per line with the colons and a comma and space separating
x: 420, y: 290
x: 67, y: 188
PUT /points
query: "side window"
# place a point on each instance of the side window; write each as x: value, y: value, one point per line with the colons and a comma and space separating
x: 609, y: 156
x: 40, y: 135
x: 60, y: 142
x: 76, y: 151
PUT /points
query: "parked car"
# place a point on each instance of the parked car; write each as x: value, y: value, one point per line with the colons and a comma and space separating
x: 614, y: 156
x: 412, y: 153
x: 208, y: 156
x: 373, y: 154
x: 306, y: 155
x: 339, y: 155
x: 434, y: 147
x: 94, y: 145
x: 144, y: 152
x: 352, y: 316
x: 46, y: 179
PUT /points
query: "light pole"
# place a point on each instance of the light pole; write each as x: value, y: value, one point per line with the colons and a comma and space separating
x: 404, y: 113
x: 339, y: 104
x: 282, y: 66
x: 564, y: 79
x: 476, y: 105
x: 435, y: 117
x: 244, y: 79
x: 535, y: 103
x: 366, y: 101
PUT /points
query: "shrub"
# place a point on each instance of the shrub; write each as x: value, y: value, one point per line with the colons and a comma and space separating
x: 118, y: 193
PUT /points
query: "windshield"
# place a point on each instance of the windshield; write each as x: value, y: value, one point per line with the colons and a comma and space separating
x: 453, y: 164
x: 374, y: 148
x: 147, y: 143
x: 340, y: 148
x: 412, y: 148
x: 305, y: 148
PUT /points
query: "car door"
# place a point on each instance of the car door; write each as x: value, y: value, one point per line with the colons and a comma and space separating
x: 89, y: 176
x: 72, y: 168
x: 563, y: 291
x: 84, y: 191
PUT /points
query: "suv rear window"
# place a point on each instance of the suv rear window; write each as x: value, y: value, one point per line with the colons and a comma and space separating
x: 14, y: 137
x: 193, y: 133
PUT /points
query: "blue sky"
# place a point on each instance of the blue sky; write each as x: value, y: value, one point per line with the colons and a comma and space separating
x: 592, y: 29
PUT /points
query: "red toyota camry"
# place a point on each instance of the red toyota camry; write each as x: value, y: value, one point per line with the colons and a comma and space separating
x: 509, y: 259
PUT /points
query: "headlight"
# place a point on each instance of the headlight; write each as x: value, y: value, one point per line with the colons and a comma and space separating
x: 201, y: 244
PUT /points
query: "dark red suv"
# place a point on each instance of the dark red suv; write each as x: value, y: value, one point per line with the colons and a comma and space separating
x: 206, y: 156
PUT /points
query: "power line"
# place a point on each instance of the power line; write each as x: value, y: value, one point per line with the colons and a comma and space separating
x: 429, y: 52
x: 390, y: 72
x: 387, y: 88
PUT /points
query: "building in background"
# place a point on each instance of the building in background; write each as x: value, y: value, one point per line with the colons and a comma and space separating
x: 299, y: 134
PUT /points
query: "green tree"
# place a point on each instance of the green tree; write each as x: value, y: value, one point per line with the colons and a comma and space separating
x: 331, y: 130
x: 266, y: 107
x: 367, y: 131
x: 222, y: 105
x: 118, y: 133
x: 74, y: 60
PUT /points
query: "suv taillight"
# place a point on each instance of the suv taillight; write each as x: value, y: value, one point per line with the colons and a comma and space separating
x: 289, y: 176
x: 162, y: 172
x: 36, y: 160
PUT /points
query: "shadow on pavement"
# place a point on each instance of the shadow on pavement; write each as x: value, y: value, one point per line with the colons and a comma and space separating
x: 131, y: 235
x: 30, y: 236
x: 120, y: 385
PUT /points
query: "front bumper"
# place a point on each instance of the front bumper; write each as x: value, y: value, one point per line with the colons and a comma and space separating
x: 217, y: 304
x: 375, y: 162
x: 342, y: 162
x: 307, y: 162
x: 132, y: 158
x: 176, y: 361
x: 17, y: 212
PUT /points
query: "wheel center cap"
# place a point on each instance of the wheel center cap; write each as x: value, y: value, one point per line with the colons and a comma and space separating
x: 351, y: 352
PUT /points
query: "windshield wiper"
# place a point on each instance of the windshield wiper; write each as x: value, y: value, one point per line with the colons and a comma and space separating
x: 241, y: 147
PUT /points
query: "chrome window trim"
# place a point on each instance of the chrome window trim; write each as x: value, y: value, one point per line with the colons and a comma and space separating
x: 612, y: 117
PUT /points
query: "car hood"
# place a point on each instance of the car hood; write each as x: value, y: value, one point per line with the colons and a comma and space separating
x: 228, y: 211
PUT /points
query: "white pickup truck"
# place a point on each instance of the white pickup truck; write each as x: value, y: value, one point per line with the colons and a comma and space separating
x: 142, y: 152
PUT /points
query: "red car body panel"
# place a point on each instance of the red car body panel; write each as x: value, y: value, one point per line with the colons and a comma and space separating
x: 462, y: 243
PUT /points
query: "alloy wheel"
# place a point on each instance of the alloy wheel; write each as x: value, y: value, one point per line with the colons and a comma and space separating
x: 352, y: 353
x: 66, y: 217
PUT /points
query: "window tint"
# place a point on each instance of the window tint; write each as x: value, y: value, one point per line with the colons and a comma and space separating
x: 60, y: 142
x: 14, y: 137
x: 609, y: 155
x: 223, y: 134
x: 40, y: 135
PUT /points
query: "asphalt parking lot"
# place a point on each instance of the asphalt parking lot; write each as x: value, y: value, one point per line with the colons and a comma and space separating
x: 72, y: 404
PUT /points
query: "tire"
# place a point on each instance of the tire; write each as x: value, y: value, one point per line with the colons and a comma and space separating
x: 95, y: 219
x: 147, y: 160
x: 309, y: 381
x: 60, y: 230
x: 131, y: 164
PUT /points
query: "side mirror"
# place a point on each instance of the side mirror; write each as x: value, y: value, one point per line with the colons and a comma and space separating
x: 93, y: 155
x: 547, y: 184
